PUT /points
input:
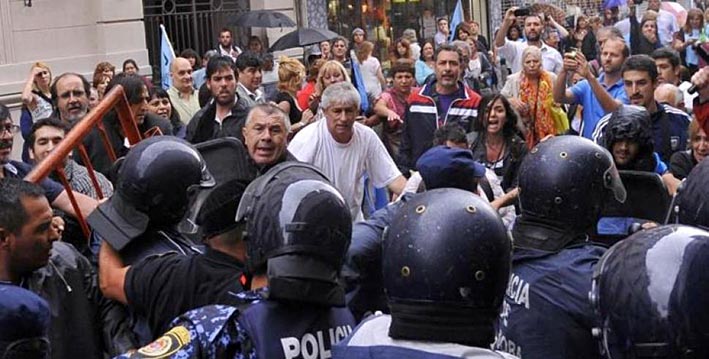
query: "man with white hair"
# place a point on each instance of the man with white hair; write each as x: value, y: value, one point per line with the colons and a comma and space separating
x: 345, y: 149
x: 670, y: 94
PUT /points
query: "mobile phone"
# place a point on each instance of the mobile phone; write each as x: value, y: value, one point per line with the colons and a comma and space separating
x: 571, y: 52
x: 525, y: 11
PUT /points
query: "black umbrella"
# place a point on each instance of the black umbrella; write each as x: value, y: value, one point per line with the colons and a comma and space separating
x: 263, y: 18
x: 302, y: 37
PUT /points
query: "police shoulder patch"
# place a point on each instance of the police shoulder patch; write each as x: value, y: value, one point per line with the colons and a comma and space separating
x: 168, y: 344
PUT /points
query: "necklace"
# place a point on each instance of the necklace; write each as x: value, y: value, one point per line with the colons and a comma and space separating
x: 497, y: 157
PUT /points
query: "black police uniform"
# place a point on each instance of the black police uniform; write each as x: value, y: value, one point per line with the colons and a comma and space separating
x: 165, y: 286
x: 563, y: 183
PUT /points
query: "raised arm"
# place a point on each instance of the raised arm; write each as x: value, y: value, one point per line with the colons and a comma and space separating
x: 507, y: 22
x: 28, y: 98
x: 608, y: 103
x: 112, y: 274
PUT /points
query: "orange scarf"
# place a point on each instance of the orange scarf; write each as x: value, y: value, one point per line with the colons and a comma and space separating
x: 538, y: 95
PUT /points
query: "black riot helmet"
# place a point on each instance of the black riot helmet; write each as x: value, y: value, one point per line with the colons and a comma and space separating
x: 649, y: 293
x: 692, y: 202
x: 151, y: 189
x: 446, y: 263
x: 565, y: 181
x: 298, y: 231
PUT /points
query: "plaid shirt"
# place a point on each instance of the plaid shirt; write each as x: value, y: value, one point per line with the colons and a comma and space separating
x: 79, y: 180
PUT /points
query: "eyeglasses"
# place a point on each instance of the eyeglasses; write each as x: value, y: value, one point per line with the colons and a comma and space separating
x: 10, y: 128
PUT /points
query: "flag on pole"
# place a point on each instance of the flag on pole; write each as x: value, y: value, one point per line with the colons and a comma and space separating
x: 359, y: 83
x: 167, y: 54
x: 456, y: 19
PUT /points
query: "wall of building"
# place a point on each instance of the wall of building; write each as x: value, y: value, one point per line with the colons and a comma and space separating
x: 69, y: 35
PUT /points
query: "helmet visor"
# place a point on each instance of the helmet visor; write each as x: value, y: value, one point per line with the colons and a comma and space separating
x: 612, y: 181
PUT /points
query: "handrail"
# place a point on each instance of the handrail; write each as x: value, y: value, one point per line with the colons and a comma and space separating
x: 74, y: 139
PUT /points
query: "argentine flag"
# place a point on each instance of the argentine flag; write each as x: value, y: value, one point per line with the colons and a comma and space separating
x: 167, y: 54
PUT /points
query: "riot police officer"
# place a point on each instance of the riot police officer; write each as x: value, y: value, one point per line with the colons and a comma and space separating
x: 649, y: 294
x: 446, y: 262
x: 692, y: 202
x: 298, y: 228
x: 563, y: 184
x: 151, y: 198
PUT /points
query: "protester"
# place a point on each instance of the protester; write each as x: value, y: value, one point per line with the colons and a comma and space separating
x: 443, y: 32
x: 482, y: 44
x: 331, y: 72
x: 226, y: 46
x: 36, y: 101
x: 454, y: 103
x: 161, y: 105
x: 182, y: 95
x: 410, y: 36
x: 249, y: 68
x: 255, y: 45
x: 644, y: 38
x: 325, y: 50
x: 426, y: 63
x: 583, y: 38
x: 105, y: 68
x: 100, y: 82
x: 669, y: 71
x: 290, y: 77
x: 687, y: 37
x: 193, y: 57
x: 401, y: 49
x: 199, y: 76
x: 391, y: 105
x: 345, y: 149
x: 309, y: 89
x: 682, y: 162
x: 371, y: 69
x: 340, y: 52
x: 497, y: 145
x: 530, y: 93
x: 358, y: 37
x: 512, y: 50
x: 462, y: 32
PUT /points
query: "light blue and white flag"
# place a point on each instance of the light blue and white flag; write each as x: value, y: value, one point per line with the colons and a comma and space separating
x: 167, y: 54
x: 456, y: 19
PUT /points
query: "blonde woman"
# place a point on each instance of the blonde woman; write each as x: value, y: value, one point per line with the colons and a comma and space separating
x: 371, y: 69
x: 36, y: 96
x: 330, y: 73
x: 290, y: 78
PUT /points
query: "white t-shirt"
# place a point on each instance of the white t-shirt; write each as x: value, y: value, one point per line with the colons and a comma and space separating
x: 370, y: 68
x: 346, y: 163
x: 512, y: 52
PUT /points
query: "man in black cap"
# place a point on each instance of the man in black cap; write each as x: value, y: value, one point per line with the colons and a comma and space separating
x: 165, y: 286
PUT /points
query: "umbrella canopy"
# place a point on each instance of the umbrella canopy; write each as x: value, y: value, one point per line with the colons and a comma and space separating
x: 676, y: 9
x: 302, y: 37
x: 262, y: 18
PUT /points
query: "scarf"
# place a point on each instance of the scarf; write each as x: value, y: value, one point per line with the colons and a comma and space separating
x: 538, y: 95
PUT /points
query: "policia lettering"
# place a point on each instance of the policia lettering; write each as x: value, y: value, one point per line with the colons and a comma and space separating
x: 313, y: 346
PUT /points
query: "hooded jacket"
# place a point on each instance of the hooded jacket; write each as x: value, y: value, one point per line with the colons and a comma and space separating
x: 632, y: 123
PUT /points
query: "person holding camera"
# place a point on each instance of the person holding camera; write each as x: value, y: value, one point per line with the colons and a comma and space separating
x: 533, y: 26
x: 598, y: 96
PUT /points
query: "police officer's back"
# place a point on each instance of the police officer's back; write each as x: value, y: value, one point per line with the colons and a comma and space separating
x: 446, y: 261
x: 298, y: 229
x: 24, y: 323
x: 563, y: 183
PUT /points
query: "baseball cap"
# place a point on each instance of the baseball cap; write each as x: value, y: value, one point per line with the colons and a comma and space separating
x: 443, y: 166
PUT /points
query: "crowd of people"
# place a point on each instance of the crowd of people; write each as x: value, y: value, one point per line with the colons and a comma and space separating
x: 452, y: 200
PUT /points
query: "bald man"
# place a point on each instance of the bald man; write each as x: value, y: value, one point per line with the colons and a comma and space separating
x: 183, y: 96
x: 670, y: 94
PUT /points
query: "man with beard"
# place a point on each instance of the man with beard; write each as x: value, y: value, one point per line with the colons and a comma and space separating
x: 444, y: 99
x: 226, y: 46
x: 55, y: 193
x: 512, y: 50
x: 183, y: 96
x: 225, y: 116
x: 669, y: 125
x: 598, y: 96
x: 70, y: 93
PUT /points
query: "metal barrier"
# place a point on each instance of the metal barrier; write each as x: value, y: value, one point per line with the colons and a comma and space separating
x: 74, y: 140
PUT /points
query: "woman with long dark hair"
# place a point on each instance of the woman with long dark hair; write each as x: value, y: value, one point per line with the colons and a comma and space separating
x: 161, y: 105
x: 496, y: 144
x: 687, y: 37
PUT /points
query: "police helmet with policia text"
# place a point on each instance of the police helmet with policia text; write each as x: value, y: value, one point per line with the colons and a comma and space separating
x: 152, y: 189
x: 692, y: 202
x: 446, y: 262
x: 298, y: 229
x: 565, y: 180
x: 649, y: 294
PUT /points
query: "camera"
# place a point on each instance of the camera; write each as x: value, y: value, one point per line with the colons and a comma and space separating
x: 525, y: 11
